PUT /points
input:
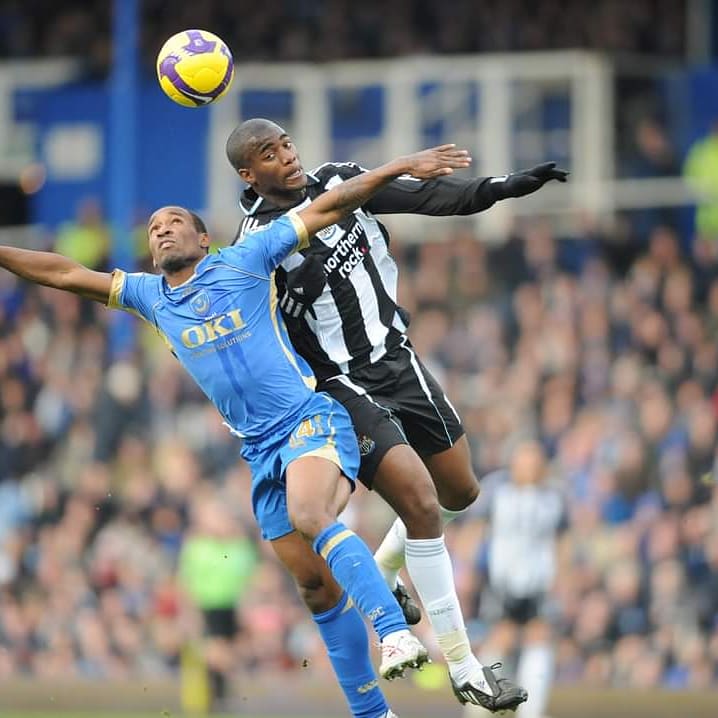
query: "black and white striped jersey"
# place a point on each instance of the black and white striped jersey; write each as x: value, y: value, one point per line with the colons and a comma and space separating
x: 525, y: 523
x: 357, y: 320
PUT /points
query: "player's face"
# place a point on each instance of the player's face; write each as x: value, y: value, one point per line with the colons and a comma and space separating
x: 528, y: 464
x: 175, y: 242
x: 274, y: 165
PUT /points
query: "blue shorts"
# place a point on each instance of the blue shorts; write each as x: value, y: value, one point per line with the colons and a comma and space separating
x: 325, y: 430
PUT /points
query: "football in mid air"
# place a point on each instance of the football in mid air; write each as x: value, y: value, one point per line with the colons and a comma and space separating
x: 194, y: 68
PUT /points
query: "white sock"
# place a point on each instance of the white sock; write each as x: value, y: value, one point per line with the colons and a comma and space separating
x: 389, y: 556
x: 429, y: 566
x: 447, y: 515
x: 535, y: 673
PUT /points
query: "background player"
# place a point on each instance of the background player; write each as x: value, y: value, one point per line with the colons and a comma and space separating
x: 526, y: 514
x: 339, y: 300
x: 218, y: 316
x: 216, y: 564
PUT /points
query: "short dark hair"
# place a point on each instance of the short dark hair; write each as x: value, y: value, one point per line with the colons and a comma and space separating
x: 241, y: 142
x: 198, y: 222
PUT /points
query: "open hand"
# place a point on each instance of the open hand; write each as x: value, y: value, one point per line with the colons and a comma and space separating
x: 436, y: 161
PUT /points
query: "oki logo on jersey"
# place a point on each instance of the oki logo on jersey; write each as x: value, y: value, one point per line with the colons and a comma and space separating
x: 213, y: 329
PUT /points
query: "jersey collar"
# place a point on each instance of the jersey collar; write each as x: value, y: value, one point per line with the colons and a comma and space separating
x: 180, y: 291
x: 251, y: 203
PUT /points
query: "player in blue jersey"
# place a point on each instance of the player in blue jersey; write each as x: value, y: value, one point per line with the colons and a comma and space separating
x: 219, y: 315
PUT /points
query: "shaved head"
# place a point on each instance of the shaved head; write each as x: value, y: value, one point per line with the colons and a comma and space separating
x: 247, y: 138
x: 264, y: 156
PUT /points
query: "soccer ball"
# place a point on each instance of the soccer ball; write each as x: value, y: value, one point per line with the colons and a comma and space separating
x: 194, y: 68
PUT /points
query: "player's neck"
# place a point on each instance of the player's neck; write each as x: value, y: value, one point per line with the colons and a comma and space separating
x: 286, y: 199
x: 174, y: 279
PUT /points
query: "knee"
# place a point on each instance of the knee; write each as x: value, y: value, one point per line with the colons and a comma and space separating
x: 470, y: 492
x: 420, y: 511
x: 503, y: 638
x: 309, y: 521
x: 312, y: 507
x: 461, y: 494
x: 537, y: 632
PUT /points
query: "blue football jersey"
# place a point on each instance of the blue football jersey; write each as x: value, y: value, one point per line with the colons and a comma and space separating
x: 225, y: 327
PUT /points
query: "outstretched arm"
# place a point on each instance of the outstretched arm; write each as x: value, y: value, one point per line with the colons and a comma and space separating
x: 440, y: 197
x: 54, y: 270
x: 458, y: 196
x: 338, y: 202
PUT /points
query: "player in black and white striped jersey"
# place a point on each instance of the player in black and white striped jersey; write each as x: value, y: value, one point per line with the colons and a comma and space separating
x: 353, y: 319
x: 526, y: 515
x: 339, y: 302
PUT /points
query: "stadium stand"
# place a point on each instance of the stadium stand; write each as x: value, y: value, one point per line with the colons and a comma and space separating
x: 315, y: 30
x: 102, y: 466
x: 602, y: 344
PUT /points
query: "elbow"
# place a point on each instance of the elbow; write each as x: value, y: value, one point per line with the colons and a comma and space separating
x: 63, y: 279
x: 480, y: 206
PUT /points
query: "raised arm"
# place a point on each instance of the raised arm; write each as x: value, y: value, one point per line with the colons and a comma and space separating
x: 339, y: 201
x: 54, y: 270
x: 458, y: 196
x: 440, y: 197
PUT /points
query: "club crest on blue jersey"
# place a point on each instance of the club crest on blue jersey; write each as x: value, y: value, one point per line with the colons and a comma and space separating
x: 200, y: 303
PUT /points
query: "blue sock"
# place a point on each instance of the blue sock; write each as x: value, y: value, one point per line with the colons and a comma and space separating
x: 344, y: 633
x: 354, y: 569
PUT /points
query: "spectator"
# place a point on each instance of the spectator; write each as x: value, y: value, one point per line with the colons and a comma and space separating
x: 317, y: 31
x: 216, y: 564
x: 701, y: 171
x: 85, y: 240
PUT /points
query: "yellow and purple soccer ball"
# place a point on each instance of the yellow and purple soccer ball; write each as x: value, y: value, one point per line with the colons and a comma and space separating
x: 194, y: 68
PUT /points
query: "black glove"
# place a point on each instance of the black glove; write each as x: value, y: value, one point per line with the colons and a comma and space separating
x: 518, y: 184
x: 304, y: 285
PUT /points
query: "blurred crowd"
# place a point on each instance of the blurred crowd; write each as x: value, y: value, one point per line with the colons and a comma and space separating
x: 321, y: 30
x: 607, y: 355
x: 603, y: 349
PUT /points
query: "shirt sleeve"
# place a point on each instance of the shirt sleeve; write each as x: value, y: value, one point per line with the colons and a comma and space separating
x: 263, y: 249
x: 439, y: 197
x: 134, y: 292
x: 344, y: 170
